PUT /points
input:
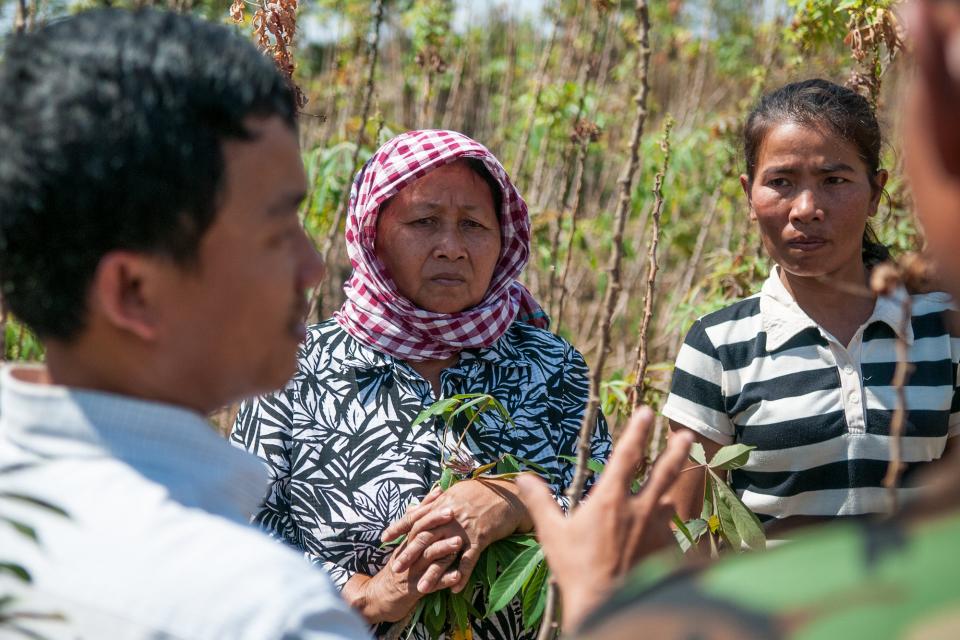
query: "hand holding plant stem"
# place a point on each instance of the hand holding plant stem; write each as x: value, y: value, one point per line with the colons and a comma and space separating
x: 614, y: 529
x: 392, y: 593
x: 484, y: 510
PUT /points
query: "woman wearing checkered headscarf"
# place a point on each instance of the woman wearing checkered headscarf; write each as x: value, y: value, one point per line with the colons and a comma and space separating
x: 437, y: 236
x: 377, y: 311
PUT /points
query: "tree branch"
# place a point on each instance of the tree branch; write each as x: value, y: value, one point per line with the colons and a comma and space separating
x: 624, y: 184
x: 643, y: 356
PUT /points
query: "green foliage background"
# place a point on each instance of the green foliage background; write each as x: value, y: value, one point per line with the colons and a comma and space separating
x: 493, y: 81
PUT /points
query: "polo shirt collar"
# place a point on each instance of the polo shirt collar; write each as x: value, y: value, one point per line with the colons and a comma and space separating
x: 782, y: 318
x: 169, y: 445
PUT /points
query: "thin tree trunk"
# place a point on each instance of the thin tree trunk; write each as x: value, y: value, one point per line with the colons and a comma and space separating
x: 333, y: 233
x: 534, y: 105
x: 643, y: 356
x: 587, y: 426
x: 891, y: 481
x: 453, y: 102
x: 506, y: 85
x: 575, y: 210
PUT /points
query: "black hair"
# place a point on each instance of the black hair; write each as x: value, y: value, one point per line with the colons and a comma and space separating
x: 111, y: 126
x: 822, y: 104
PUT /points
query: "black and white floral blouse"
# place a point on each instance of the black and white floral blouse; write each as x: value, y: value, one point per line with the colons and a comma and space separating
x: 344, y: 461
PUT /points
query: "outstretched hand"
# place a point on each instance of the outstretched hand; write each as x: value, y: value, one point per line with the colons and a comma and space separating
x: 589, y: 551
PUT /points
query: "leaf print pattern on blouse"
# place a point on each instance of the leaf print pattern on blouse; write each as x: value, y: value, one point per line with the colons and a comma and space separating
x: 345, y: 462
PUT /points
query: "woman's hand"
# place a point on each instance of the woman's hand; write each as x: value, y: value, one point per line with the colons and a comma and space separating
x: 484, y: 511
x: 390, y: 594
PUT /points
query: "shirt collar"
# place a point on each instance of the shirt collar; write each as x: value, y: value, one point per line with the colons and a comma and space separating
x: 169, y: 445
x: 782, y: 318
x: 502, y: 353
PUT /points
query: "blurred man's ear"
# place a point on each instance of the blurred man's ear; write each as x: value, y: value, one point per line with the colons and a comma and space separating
x: 123, y: 293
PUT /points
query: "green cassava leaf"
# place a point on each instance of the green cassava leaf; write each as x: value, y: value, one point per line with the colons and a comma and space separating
x: 534, y: 597
x: 502, y: 410
x: 502, y: 476
x: 437, y: 408
x: 508, y: 584
x: 697, y: 454
x: 417, y: 614
x: 708, y: 505
x: 682, y: 528
x: 458, y: 607
x: 682, y: 534
x: 482, y: 399
x: 697, y: 527
x: 394, y: 542
x: 435, y: 612
x: 594, y: 465
x: 484, y: 468
x: 508, y: 464
x: 488, y: 561
x: 731, y: 457
x: 447, y: 478
x: 692, y: 531
x: 728, y: 528
x: 747, y: 524
x: 523, y: 539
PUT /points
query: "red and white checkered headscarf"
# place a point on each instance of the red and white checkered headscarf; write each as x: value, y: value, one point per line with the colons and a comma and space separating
x: 375, y: 312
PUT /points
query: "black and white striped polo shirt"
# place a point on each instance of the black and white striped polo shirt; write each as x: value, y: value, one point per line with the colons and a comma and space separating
x: 763, y: 373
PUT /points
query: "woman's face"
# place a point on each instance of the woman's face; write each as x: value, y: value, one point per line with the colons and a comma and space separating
x: 439, y: 239
x: 811, y: 196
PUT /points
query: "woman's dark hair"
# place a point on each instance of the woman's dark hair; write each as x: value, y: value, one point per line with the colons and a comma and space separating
x: 822, y: 104
x: 112, y: 125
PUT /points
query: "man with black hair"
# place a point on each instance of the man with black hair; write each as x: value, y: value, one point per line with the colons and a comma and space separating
x: 149, y: 186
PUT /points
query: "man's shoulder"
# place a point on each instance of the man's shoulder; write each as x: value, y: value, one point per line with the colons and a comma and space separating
x: 138, y: 557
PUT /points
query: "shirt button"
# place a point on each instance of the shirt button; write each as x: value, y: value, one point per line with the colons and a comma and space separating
x: 854, y: 398
x: 848, y: 369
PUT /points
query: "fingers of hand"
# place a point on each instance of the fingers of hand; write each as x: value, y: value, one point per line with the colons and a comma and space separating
x: 467, y: 563
x: 652, y: 511
x: 425, y: 516
x: 538, y: 499
x: 411, y: 517
x: 668, y: 466
x: 443, y: 549
x: 627, y: 455
x: 648, y: 536
x: 436, y: 577
x: 417, y: 544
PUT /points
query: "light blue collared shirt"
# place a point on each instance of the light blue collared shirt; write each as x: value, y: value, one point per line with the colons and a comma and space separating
x: 157, y: 543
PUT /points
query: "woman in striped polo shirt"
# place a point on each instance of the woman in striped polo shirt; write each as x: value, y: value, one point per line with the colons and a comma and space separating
x: 803, y: 370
